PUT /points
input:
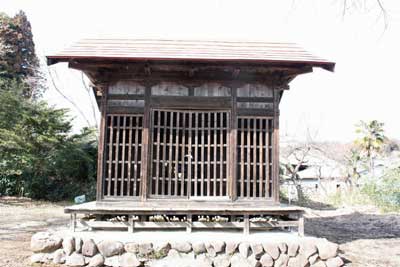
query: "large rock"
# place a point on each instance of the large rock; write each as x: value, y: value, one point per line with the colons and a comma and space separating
x: 173, y: 253
x: 231, y: 247
x: 87, y: 260
x: 237, y: 260
x: 282, y: 261
x: 257, y: 250
x: 313, y: 259
x: 112, y: 261
x: 161, y: 249
x: 58, y: 256
x: 308, y: 248
x: 96, y: 261
x: 89, y: 248
x: 210, y: 250
x: 132, y: 247
x: 219, y: 246
x: 68, y: 245
x: 266, y: 260
x: 244, y: 249
x: 293, y: 248
x: 253, y: 261
x: 334, y: 262
x: 298, y: 261
x: 198, y: 247
x: 222, y: 260
x: 75, y: 259
x: 283, y: 247
x: 110, y: 248
x: 78, y: 244
x: 327, y: 250
x: 145, y: 249
x: 183, y: 246
x: 186, y: 260
x: 294, y: 262
x: 39, y: 258
x: 129, y: 260
x: 204, y: 260
x: 45, y: 242
x: 318, y: 263
x: 272, y: 249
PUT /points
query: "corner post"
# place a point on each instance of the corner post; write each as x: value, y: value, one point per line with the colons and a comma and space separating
x: 101, y: 146
x: 275, y: 146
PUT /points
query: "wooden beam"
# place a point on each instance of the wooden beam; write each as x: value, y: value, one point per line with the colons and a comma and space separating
x: 190, y: 102
x: 256, y: 99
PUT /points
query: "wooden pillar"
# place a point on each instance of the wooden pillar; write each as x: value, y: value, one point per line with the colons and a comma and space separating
x: 246, y: 225
x: 300, y: 229
x: 101, y: 145
x: 232, y: 185
x: 144, y: 180
x: 189, y: 223
x: 73, y: 222
x: 275, y: 147
x: 131, y: 224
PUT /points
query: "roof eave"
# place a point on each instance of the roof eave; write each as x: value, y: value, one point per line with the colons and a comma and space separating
x: 329, y: 66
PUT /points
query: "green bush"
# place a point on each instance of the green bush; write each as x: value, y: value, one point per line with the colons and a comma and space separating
x: 39, y: 157
x: 385, y: 192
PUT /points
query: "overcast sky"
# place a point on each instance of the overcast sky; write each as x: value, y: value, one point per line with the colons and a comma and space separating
x: 364, y: 85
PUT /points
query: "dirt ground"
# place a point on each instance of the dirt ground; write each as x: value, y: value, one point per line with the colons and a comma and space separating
x: 366, y: 237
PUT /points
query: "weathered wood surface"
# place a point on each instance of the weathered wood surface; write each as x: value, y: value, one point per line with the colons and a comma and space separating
x: 183, y: 207
x: 199, y: 152
x: 195, y: 225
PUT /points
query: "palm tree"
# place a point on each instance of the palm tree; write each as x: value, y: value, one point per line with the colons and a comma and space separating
x: 371, y: 140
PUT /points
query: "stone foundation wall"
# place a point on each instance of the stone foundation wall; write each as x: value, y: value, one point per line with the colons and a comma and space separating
x: 73, y: 251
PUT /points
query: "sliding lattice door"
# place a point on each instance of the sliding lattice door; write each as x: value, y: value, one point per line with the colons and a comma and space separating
x: 189, y: 153
x: 254, y: 157
x: 123, y: 155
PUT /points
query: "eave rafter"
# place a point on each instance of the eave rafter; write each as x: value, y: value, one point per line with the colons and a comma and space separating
x: 277, y: 75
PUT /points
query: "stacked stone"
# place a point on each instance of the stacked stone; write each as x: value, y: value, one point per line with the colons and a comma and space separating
x: 73, y: 251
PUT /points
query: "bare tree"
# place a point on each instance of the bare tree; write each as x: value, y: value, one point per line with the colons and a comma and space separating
x: 360, y: 5
x: 66, y: 97
x: 92, y: 105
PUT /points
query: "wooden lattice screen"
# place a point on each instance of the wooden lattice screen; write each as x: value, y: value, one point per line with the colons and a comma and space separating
x: 189, y: 153
x: 123, y: 155
x: 254, y: 157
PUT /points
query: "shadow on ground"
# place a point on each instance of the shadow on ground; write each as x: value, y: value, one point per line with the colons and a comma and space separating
x: 354, y: 226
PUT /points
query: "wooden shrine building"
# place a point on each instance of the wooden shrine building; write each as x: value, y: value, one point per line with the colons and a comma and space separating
x: 188, y: 127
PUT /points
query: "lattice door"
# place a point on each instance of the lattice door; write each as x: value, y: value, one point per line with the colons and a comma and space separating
x: 254, y: 157
x: 123, y: 155
x: 189, y: 153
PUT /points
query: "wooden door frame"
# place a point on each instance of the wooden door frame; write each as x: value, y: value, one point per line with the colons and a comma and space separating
x: 196, y: 108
